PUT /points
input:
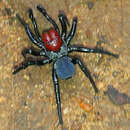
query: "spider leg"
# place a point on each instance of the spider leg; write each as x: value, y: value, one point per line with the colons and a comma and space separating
x: 34, y: 24
x: 43, y: 11
x: 63, y: 20
x: 30, y: 61
x: 86, y: 72
x: 91, y: 50
x: 57, y: 93
x: 30, y: 33
x: 32, y: 51
x: 72, y: 31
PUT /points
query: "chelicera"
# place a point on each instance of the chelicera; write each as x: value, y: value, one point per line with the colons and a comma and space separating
x: 54, y: 46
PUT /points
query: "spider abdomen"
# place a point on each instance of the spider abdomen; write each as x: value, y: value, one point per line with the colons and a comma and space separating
x: 64, y: 67
x: 52, y: 40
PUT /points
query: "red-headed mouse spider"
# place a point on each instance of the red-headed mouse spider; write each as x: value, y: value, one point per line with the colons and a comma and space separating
x: 54, y: 46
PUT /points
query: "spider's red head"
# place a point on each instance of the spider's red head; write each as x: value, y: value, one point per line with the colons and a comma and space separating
x: 52, y: 40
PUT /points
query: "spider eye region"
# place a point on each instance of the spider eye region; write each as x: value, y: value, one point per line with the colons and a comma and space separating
x: 52, y: 40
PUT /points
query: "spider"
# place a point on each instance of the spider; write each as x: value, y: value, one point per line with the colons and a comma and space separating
x: 54, y: 46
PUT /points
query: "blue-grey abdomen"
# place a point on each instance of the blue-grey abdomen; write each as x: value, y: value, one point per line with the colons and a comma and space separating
x: 64, y: 67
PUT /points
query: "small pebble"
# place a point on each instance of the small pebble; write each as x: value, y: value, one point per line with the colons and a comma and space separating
x: 66, y: 110
x: 86, y: 107
x: 115, y: 73
x: 96, y: 98
x: 99, y: 116
x: 2, y: 99
x: 26, y: 77
x: 90, y: 4
x: 64, y: 129
x: 8, y: 10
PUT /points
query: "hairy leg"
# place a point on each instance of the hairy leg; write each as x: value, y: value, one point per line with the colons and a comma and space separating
x: 30, y: 61
x: 72, y: 31
x: 32, y: 51
x: 57, y: 93
x: 86, y: 72
x: 34, y: 25
x: 64, y: 21
x: 43, y: 11
x: 30, y: 33
x: 91, y: 50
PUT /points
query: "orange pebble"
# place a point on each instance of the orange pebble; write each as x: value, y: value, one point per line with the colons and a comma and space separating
x: 85, y: 107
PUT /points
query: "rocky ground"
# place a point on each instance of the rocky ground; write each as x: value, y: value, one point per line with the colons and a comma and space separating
x: 27, y: 100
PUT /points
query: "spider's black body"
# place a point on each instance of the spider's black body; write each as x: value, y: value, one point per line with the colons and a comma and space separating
x: 63, y: 65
